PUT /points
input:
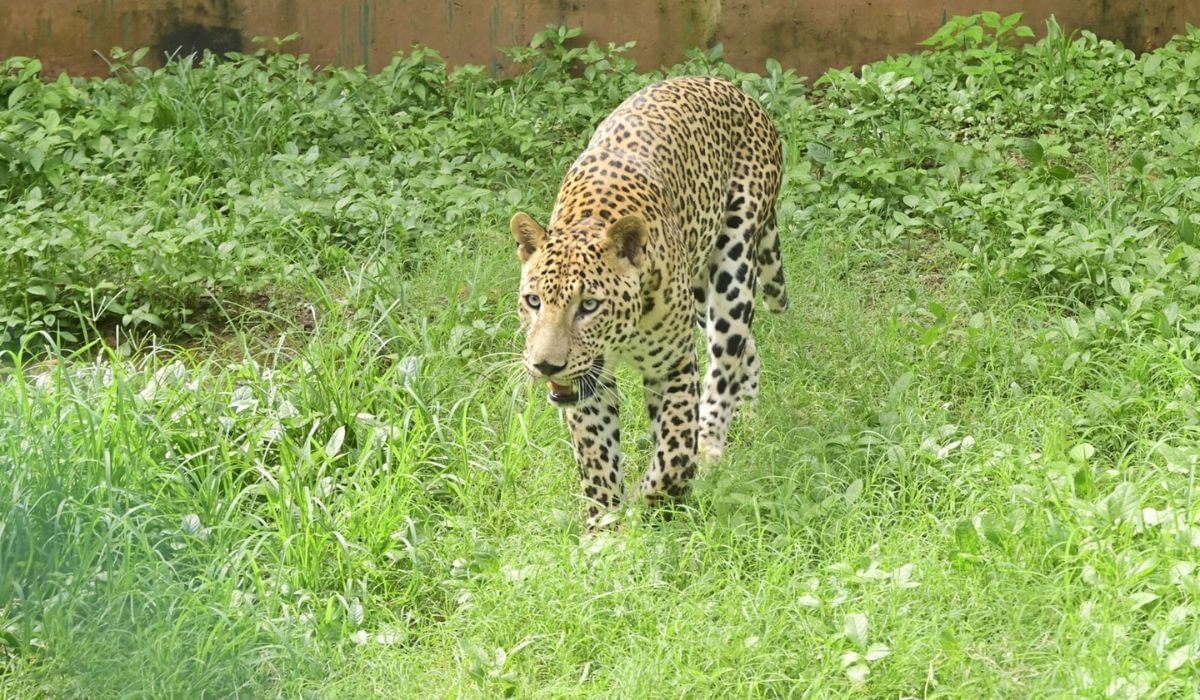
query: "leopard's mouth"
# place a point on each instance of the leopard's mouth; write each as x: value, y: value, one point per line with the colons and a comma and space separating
x: 578, y: 389
x: 562, y: 394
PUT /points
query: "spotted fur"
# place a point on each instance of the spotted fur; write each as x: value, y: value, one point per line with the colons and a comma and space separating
x: 665, y: 220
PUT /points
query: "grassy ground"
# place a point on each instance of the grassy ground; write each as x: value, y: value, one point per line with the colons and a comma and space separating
x: 971, y: 472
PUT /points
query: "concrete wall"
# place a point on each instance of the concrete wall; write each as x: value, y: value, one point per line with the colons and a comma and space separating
x: 809, y: 35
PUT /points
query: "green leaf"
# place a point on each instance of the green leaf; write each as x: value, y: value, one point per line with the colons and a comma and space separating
x: 858, y: 673
x: 334, y: 446
x: 900, y: 386
x: 1187, y: 231
x: 940, y: 37
x: 1139, y: 162
x: 37, y: 157
x: 1152, y: 65
x: 32, y: 68
x: 1123, y: 505
x: 1031, y: 149
x: 18, y: 93
x: 1084, y: 484
x: 143, y: 314
x: 10, y: 153
x: 854, y: 626
x: 1082, y: 452
x: 957, y: 248
x: 819, y: 152
x: 991, y: 528
x: 1186, y: 654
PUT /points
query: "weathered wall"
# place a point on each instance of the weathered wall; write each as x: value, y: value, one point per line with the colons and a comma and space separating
x: 810, y: 35
x: 813, y: 35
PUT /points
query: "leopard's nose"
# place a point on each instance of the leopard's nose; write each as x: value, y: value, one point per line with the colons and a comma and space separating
x: 548, y: 368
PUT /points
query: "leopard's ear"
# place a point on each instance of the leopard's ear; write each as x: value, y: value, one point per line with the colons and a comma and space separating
x: 528, y: 234
x: 626, y: 238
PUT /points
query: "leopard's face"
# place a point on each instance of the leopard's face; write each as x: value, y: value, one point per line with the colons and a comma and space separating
x: 579, y: 300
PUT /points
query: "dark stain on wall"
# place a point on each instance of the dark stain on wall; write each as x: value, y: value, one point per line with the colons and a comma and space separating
x: 190, y: 29
x: 193, y: 39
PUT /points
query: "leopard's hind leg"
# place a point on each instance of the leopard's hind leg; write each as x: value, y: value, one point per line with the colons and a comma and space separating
x: 732, y: 275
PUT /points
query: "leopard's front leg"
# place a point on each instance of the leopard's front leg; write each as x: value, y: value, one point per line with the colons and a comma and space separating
x: 673, y: 401
x: 596, y: 434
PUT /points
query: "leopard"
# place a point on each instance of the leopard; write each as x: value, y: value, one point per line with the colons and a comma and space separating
x: 667, y: 220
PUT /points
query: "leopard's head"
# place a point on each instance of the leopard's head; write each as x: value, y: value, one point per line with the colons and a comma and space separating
x: 580, y: 298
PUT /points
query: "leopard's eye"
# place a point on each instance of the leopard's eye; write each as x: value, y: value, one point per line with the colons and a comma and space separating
x: 534, y: 301
x: 587, y: 306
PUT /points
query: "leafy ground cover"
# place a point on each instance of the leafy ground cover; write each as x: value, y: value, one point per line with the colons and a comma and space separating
x: 971, y: 472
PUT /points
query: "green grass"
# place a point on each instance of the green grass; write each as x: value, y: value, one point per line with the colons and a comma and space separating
x: 318, y: 471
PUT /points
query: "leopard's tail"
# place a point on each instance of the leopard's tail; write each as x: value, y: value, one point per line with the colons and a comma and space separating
x: 770, y: 267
